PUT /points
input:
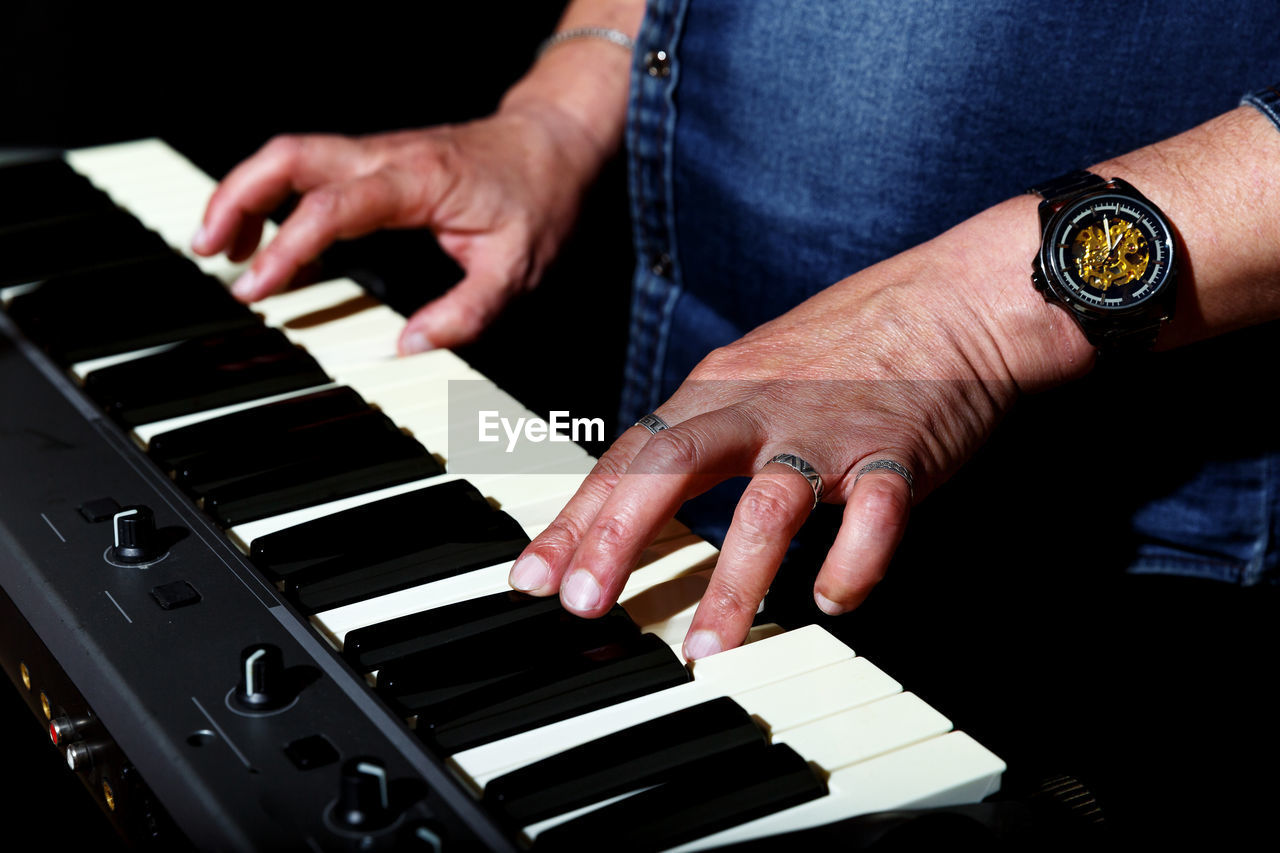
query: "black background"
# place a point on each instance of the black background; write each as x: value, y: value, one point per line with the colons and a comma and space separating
x: 1155, y: 692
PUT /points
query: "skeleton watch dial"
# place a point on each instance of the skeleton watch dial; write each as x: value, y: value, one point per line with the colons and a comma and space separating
x: 1109, y: 252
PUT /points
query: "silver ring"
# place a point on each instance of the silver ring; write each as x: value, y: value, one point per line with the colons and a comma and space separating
x: 806, y: 470
x: 653, y: 424
x: 888, y: 465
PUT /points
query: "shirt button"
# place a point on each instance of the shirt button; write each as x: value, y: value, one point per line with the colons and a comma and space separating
x: 660, y: 265
x: 658, y: 63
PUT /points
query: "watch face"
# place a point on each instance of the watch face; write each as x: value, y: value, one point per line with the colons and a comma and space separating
x: 1109, y: 252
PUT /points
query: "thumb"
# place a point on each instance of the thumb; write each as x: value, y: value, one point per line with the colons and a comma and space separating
x: 459, y: 316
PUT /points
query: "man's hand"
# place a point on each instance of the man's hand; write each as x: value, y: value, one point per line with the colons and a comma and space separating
x: 500, y: 194
x: 913, y: 360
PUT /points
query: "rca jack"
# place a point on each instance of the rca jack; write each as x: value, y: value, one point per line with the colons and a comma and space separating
x: 25, y: 673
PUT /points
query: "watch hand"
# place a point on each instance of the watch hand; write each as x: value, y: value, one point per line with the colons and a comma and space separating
x: 1106, y: 231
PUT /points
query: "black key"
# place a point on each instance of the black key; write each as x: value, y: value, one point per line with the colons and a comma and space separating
x: 127, y: 307
x: 376, y: 645
x: 556, y: 691
x: 254, y: 456
x: 39, y: 252
x: 202, y: 374
x: 368, y: 534
x: 650, y: 753
x: 393, y: 460
x: 445, y: 673
x: 170, y: 449
x: 451, y: 551
x: 45, y: 190
x: 716, y: 796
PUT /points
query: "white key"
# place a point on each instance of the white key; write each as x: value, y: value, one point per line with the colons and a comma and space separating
x: 845, y: 738
x: 728, y: 673
x: 779, y: 706
x: 948, y: 770
x: 659, y: 563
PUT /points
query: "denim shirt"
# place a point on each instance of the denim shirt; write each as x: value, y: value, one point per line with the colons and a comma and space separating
x: 777, y: 147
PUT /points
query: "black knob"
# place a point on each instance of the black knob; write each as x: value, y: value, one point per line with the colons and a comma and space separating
x: 363, y: 801
x: 263, y: 682
x: 134, y: 529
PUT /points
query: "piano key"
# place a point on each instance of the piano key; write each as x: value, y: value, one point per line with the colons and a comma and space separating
x: 169, y: 449
x: 373, y: 532
x: 659, y: 563
x: 250, y: 454
x: 396, y: 458
x: 203, y: 374
x: 336, y: 321
x: 373, y: 646
x: 829, y: 743
x: 498, y: 540
x: 125, y: 308
x: 699, y: 803
x: 443, y: 674
x: 778, y: 707
x: 560, y: 691
x: 162, y: 188
x: 948, y: 770
x: 44, y: 190
x: 44, y: 250
x: 730, y: 673
x: 646, y: 754
x: 369, y: 379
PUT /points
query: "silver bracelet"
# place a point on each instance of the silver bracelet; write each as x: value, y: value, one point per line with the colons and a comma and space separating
x: 617, y: 37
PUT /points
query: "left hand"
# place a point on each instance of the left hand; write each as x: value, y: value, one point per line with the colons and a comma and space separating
x: 913, y: 360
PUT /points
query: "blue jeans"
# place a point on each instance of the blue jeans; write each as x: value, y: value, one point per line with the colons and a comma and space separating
x: 779, y: 147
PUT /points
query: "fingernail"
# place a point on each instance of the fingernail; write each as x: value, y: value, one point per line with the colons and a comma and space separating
x: 198, y: 241
x: 581, y: 592
x: 415, y: 341
x: 529, y: 573
x: 701, y: 644
x: 826, y: 605
x: 246, y: 285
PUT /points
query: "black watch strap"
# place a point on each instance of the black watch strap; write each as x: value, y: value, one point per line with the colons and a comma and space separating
x: 1061, y: 188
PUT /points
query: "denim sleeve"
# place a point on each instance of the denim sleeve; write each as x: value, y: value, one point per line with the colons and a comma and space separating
x: 1267, y: 101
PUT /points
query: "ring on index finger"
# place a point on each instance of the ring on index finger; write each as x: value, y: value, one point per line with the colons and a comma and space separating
x: 653, y: 423
x: 805, y: 470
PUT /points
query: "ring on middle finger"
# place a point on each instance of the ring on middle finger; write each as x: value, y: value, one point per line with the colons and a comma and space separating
x: 806, y: 470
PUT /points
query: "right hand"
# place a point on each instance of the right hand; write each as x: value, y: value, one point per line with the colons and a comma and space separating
x: 500, y: 194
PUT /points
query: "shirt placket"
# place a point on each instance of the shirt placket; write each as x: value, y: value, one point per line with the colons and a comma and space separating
x: 650, y: 143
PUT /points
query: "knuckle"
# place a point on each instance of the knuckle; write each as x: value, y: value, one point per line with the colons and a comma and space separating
x: 677, y: 447
x: 729, y: 601
x: 560, y: 533
x: 610, y: 532
x: 285, y: 146
x: 883, y: 502
x: 609, y: 469
x: 765, y: 507
x: 322, y: 204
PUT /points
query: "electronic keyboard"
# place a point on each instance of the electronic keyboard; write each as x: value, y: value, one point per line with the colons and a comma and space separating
x: 253, y: 571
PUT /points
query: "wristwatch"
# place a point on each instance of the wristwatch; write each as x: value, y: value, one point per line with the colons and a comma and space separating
x: 1107, y: 256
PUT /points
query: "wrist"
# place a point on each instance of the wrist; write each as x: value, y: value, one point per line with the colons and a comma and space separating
x: 1037, y: 343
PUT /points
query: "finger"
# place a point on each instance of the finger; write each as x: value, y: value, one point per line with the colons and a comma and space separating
x: 772, y: 509
x: 325, y: 214
x: 875, y: 517
x: 246, y: 240
x: 673, y: 466
x: 542, y: 563
x: 460, y: 315
x: 253, y: 189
